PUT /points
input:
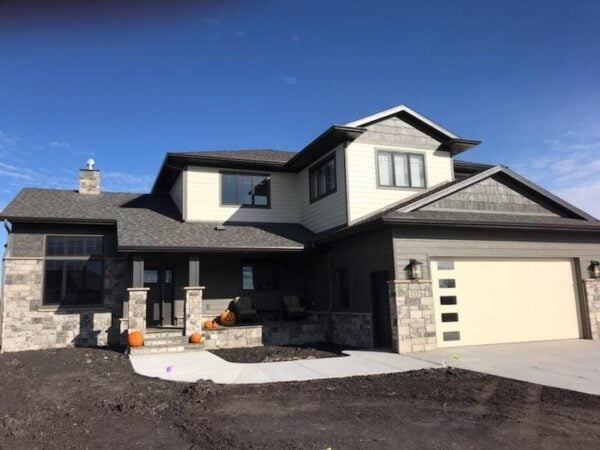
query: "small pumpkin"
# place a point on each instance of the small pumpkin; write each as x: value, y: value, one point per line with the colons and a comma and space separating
x: 135, y: 338
x: 196, y: 338
x: 227, y: 318
x: 209, y: 325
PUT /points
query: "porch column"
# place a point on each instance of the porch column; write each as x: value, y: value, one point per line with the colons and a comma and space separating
x: 592, y: 292
x: 193, y: 309
x: 412, y: 315
x: 137, y: 308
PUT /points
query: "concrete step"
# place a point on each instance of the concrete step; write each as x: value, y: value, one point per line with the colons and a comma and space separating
x: 164, y: 332
x: 169, y: 348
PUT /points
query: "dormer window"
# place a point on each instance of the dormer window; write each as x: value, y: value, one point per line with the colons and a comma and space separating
x: 246, y: 189
x: 399, y: 169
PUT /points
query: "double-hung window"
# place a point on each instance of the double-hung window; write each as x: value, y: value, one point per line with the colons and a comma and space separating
x: 322, y: 178
x: 396, y: 169
x: 246, y: 189
x: 73, y: 270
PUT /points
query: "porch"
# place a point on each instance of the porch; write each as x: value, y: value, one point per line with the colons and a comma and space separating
x: 176, y: 293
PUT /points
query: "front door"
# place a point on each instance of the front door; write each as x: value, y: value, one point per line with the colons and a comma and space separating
x: 159, y: 310
x: 382, y: 325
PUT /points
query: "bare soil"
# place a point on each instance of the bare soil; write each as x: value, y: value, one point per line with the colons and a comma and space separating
x: 274, y: 353
x: 82, y: 398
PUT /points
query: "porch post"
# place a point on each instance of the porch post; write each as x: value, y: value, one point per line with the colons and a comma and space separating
x: 137, y: 308
x: 193, y: 309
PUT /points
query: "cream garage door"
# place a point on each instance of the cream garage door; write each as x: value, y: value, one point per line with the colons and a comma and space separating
x: 491, y: 301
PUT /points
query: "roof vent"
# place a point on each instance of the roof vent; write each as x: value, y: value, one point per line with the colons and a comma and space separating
x: 220, y: 228
x: 90, y: 164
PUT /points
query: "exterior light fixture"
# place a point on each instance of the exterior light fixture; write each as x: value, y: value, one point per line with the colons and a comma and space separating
x: 595, y: 269
x: 414, y: 269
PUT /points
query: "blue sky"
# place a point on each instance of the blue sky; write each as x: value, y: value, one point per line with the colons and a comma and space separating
x: 127, y: 84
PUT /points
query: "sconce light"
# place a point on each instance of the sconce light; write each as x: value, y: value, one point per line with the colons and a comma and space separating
x: 414, y: 270
x: 595, y: 269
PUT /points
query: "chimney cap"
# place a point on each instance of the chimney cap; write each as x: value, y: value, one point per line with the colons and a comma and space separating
x: 90, y: 164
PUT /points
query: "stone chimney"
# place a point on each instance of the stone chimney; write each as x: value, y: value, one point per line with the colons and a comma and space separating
x: 89, y: 179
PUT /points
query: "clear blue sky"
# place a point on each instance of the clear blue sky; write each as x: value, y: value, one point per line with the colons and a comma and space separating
x: 127, y: 84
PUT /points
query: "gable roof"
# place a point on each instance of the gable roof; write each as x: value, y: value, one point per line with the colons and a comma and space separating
x: 151, y: 222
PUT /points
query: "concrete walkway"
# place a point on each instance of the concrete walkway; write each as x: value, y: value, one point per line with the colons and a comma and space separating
x: 572, y: 364
x: 194, y: 366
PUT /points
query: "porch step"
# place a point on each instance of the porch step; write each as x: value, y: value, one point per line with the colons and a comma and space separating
x: 170, y: 348
x: 163, y: 332
x: 151, y: 340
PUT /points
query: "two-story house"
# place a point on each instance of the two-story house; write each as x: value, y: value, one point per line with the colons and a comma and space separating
x: 386, y: 238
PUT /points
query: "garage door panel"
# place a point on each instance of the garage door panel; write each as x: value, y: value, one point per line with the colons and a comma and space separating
x: 499, y: 301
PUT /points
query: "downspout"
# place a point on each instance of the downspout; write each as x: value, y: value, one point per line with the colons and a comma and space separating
x: 329, y: 324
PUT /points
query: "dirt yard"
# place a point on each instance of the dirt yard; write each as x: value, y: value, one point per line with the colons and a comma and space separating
x: 79, y: 398
x: 274, y: 353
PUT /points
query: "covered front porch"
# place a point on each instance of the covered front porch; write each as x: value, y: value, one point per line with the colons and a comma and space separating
x: 177, y: 292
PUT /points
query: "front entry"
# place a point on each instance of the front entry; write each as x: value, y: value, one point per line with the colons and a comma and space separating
x: 382, y: 325
x: 159, y: 310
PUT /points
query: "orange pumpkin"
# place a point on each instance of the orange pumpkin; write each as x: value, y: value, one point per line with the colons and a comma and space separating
x: 135, y: 338
x: 209, y: 325
x: 196, y: 338
x: 227, y: 318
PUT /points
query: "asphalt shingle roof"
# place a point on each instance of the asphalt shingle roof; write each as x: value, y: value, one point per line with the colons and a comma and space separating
x: 152, y: 221
x: 260, y: 155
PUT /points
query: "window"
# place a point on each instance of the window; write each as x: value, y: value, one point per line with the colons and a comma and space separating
x: 451, y: 335
x: 246, y: 189
x: 73, y: 270
x: 343, y: 292
x: 264, y: 274
x: 449, y: 317
x: 448, y: 299
x: 397, y: 169
x: 445, y: 264
x: 322, y: 178
x: 446, y: 283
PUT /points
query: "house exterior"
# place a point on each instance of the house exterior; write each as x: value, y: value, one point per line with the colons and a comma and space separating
x: 387, y: 238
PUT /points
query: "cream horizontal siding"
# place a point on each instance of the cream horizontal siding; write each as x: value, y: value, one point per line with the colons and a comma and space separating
x: 177, y: 192
x: 204, y: 198
x: 329, y: 211
x: 365, y: 197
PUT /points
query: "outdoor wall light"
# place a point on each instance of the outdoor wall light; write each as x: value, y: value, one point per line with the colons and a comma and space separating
x: 595, y: 269
x: 414, y: 269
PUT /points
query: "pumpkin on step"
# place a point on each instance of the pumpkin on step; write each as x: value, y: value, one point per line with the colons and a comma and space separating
x: 135, y: 338
x: 196, y: 338
x: 227, y: 318
x: 209, y: 325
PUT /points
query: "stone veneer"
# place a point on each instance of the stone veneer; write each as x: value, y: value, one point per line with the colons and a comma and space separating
x: 136, y: 309
x: 193, y: 309
x: 592, y: 291
x: 412, y: 316
x: 346, y: 328
x: 29, y: 325
x: 233, y: 337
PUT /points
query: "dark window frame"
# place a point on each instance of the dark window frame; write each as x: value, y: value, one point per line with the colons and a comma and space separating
x: 342, y: 293
x: 279, y: 273
x: 65, y: 259
x: 314, y: 170
x: 408, y: 156
x: 237, y: 174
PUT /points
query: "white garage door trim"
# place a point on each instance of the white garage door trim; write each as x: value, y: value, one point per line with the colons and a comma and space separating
x: 498, y: 300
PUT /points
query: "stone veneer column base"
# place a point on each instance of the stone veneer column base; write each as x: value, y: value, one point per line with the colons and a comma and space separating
x: 136, y: 314
x: 412, y: 316
x: 592, y: 292
x: 193, y: 309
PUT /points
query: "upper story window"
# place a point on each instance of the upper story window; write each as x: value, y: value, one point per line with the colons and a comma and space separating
x: 246, y: 189
x: 396, y: 169
x: 322, y: 178
x: 73, y: 270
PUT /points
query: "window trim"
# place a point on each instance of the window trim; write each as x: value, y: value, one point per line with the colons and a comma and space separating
x: 237, y: 173
x: 422, y: 155
x: 314, y: 168
x: 43, y: 306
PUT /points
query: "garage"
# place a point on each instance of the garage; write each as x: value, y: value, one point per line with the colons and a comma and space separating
x: 492, y: 301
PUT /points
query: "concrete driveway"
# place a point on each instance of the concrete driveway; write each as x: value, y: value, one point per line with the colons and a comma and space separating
x: 572, y: 364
